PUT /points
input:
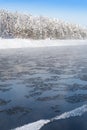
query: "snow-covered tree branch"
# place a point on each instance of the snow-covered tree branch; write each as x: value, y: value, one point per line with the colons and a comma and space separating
x: 14, y: 25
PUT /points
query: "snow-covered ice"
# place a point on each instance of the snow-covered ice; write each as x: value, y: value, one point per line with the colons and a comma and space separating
x: 34, y: 126
x: 39, y: 124
x: 25, y: 43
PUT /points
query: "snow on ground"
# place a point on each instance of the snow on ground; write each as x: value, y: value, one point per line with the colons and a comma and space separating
x: 25, y: 43
x: 39, y: 124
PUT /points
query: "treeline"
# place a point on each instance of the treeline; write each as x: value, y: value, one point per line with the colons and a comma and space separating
x: 15, y: 25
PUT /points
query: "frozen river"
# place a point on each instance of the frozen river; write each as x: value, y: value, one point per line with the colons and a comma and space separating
x: 42, y: 83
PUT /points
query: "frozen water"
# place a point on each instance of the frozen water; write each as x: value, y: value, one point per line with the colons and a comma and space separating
x: 39, y: 124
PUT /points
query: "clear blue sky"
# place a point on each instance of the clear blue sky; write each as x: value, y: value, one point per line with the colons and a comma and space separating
x: 74, y: 11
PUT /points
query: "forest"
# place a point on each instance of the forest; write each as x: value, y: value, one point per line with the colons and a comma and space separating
x: 17, y: 25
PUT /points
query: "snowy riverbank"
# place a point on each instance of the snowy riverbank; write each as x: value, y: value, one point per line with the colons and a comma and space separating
x: 25, y: 43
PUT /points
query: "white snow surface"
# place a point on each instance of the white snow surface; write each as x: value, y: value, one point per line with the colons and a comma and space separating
x: 34, y: 126
x: 25, y: 43
x: 39, y: 124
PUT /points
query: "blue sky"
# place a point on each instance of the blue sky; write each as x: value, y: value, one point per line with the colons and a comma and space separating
x: 74, y: 11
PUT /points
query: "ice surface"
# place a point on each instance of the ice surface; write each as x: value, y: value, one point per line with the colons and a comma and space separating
x: 39, y: 124
x: 76, y: 112
x: 25, y: 43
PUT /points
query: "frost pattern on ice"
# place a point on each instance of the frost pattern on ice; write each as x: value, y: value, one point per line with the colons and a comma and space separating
x: 39, y: 124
